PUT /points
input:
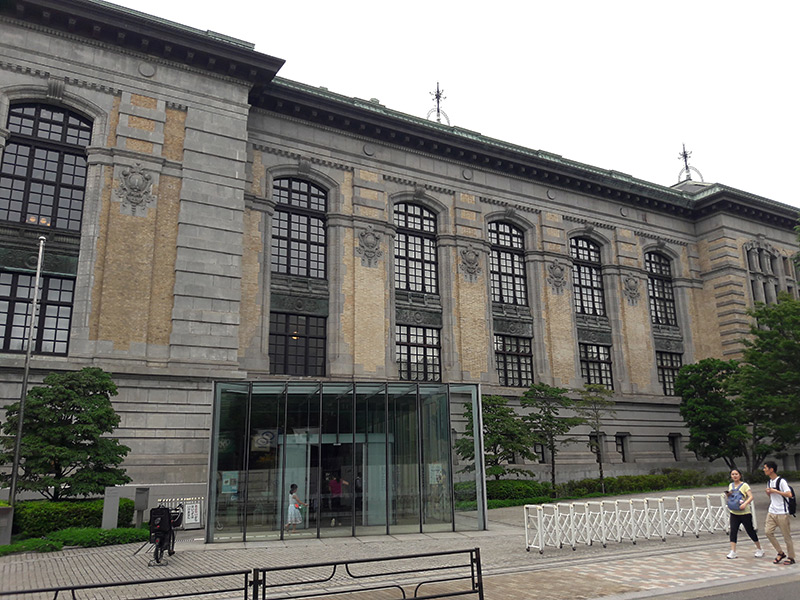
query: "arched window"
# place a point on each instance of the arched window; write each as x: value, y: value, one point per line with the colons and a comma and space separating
x: 43, y: 171
x: 415, y: 263
x: 587, y: 278
x: 298, y: 228
x: 42, y: 186
x: 659, y: 289
x: 507, y: 264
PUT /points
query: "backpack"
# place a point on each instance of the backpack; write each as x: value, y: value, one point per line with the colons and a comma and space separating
x: 791, y: 502
x: 159, y: 520
x: 735, y: 498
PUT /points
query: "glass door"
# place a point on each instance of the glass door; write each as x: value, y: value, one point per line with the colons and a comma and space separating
x: 337, y: 461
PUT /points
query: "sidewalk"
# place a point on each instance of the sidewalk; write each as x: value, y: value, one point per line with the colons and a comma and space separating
x: 622, y: 570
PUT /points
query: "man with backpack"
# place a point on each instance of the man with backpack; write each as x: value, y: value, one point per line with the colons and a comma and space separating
x: 779, y: 494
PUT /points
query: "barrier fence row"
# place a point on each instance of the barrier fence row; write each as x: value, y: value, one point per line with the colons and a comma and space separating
x: 428, y: 576
x: 604, y: 521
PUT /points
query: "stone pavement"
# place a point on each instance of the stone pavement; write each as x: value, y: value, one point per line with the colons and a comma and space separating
x: 621, y: 570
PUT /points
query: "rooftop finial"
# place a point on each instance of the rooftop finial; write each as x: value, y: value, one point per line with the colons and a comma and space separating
x: 684, y: 156
x: 438, y: 95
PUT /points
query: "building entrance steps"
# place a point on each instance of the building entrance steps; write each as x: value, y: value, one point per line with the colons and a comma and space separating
x: 509, y: 571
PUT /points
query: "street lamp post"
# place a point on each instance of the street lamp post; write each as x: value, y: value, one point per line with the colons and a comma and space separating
x: 12, y: 494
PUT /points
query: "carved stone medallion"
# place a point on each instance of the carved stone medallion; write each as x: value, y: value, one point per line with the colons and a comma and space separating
x: 134, y: 188
x: 630, y: 289
x: 470, y: 263
x: 369, y: 247
x: 557, y: 277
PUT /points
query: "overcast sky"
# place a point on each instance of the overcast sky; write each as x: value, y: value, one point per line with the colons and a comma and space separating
x: 615, y: 84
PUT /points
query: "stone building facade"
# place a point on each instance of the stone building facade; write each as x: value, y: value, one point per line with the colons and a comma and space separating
x: 209, y: 221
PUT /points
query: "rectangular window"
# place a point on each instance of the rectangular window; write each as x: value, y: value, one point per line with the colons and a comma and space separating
x: 418, y: 352
x: 53, y: 319
x: 514, y: 358
x: 596, y: 364
x: 668, y: 364
x: 296, y: 345
x: 539, y: 451
x: 622, y: 443
x: 597, y: 445
x: 675, y: 445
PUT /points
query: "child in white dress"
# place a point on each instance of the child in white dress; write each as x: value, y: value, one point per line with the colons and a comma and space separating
x: 294, y: 516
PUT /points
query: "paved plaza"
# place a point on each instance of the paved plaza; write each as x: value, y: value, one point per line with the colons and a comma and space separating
x: 621, y: 570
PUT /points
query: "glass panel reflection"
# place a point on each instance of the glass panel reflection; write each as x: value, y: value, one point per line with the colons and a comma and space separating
x: 369, y: 485
x: 300, y: 444
x: 404, y: 464
x: 437, y: 513
x: 367, y: 459
x: 468, y: 476
x: 229, y: 450
x: 264, y: 461
x: 336, y: 461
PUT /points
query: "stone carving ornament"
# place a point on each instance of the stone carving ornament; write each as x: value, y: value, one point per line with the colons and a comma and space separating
x: 369, y: 247
x: 134, y: 188
x: 470, y: 263
x: 630, y: 288
x: 557, y: 277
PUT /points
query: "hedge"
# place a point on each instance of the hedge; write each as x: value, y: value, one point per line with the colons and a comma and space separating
x: 92, y: 537
x: 508, y: 489
x: 31, y: 545
x: 512, y: 492
x: 37, y: 518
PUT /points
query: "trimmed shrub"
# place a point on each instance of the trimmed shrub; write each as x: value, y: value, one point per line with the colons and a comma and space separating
x: 36, y: 518
x: 31, y: 545
x: 517, y: 492
x: 517, y: 489
x: 464, y: 491
x: 91, y: 537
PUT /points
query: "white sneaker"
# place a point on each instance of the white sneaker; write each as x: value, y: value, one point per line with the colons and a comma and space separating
x: 733, y: 554
x: 759, y: 553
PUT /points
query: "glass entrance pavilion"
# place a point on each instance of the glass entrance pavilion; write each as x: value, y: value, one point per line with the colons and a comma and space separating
x: 367, y: 459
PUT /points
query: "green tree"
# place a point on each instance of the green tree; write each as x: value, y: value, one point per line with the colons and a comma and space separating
x: 769, y: 380
x: 593, y: 407
x: 504, y: 437
x: 63, y: 449
x: 717, y: 424
x: 545, y: 421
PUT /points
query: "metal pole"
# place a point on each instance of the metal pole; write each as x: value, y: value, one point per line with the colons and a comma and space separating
x: 12, y: 494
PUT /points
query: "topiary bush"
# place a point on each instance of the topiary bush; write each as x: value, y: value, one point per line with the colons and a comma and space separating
x: 37, y: 518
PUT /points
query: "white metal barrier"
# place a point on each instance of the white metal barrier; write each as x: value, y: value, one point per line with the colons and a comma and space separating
x: 192, y: 510
x: 606, y: 521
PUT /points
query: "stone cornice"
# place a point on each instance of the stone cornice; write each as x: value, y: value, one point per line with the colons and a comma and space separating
x: 587, y: 222
x: 661, y: 240
x: 371, y: 120
x: 296, y: 156
x: 415, y: 184
x: 508, y: 204
x: 99, y: 22
x: 43, y: 74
